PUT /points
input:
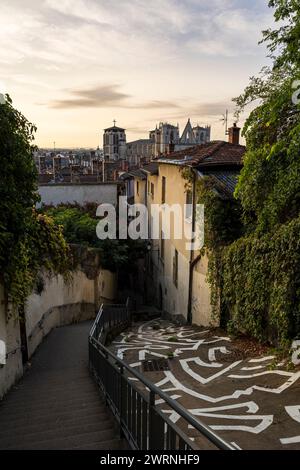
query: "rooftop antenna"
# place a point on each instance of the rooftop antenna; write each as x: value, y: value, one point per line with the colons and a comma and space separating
x: 54, y: 146
x: 225, y: 121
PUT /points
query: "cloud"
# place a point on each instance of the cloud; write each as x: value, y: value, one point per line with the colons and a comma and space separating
x: 167, y: 56
x: 101, y: 96
x: 214, y: 108
x: 106, y: 96
x: 155, y: 104
x: 138, y: 130
x: 209, y: 110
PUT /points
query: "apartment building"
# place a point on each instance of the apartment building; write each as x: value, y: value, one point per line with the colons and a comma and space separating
x: 176, y: 275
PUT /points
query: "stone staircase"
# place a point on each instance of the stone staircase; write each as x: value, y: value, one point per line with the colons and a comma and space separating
x: 56, y: 405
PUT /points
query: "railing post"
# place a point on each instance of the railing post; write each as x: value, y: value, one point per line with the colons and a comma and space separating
x: 121, y: 401
x: 151, y: 428
x: 156, y: 426
x: 140, y: 420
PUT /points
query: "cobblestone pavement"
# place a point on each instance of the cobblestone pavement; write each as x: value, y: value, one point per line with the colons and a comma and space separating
x: 250, y: 401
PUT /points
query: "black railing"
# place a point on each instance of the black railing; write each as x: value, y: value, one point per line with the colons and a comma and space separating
x: 110, y: 317
x: 141, y: 421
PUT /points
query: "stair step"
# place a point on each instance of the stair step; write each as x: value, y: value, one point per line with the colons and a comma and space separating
x: 78, y: 440
x: 59, y: 416
x: 53, y: 404
x: 52, y: 434
x: 57, y: 405
x: 45, y: 381
x: 115, y: 444
x: 45, y: 426
x: 48, y: 394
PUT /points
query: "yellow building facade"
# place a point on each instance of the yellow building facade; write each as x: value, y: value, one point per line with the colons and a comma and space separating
x: 176, y: 275
x: 169, y: 259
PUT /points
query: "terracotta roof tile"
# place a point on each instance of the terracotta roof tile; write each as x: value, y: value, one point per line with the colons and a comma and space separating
x: 210, y: 154
x: 151, y: 168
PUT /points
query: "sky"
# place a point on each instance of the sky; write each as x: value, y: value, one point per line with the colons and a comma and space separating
x: 73, y: 66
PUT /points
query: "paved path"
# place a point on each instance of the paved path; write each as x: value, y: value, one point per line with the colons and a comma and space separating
x: 247, y: 398
x: 57, y: 405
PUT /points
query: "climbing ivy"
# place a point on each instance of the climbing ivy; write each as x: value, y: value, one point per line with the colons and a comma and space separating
x: 28, y: 241
x: 255, y: 278
x: 261, y: 283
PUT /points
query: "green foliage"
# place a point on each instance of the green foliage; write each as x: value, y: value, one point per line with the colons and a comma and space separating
x: 223, y: 225
x: 173, y: 339
x: 79, y: 227
x: 255, y: 279
x: 269, y: 186
x: 41, y: 247
x: 261, y: 283
x: 28, y: 241
x: 222, y: 216
x: 283, y: 42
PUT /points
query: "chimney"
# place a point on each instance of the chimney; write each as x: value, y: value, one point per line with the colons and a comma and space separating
x: 234, y: 134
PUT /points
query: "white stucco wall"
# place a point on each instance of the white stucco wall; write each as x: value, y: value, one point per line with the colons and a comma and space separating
x: 201, y: 304
x: 54, y: 194
x: 60, y: 303
x: 175, y: 299
x: 10, y: 334
x: 107, y: 286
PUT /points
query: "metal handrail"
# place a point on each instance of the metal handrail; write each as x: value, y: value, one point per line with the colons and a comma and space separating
x: 117, y: 362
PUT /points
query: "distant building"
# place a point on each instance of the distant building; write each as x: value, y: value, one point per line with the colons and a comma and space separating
x: 114, y: 143
x: 193, y: 136
x: 164, y: 139
x: 176, y: 278
x: 141, y: 149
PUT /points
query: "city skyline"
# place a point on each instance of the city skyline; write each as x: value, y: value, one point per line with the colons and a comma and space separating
x: 72, y: 66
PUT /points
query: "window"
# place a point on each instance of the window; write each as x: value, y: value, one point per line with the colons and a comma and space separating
x: 163, y: 190
x: 175, y: 268
x: 162, y: 245
x: 137, y: 188
x: 152, y: 190
x: 189, y: 205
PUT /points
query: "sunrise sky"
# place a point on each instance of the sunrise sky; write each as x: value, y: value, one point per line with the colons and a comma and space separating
x: 72, y: 66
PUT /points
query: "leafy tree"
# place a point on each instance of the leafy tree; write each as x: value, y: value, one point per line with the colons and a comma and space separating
x: 258, y: 275
x: 269, y: 187
x: 79, y: 227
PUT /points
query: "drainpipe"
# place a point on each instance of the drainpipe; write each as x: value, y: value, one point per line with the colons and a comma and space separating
x: 193, y: 260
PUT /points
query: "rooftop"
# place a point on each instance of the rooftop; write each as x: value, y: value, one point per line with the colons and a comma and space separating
x: 137, y: 173
x: 139, y: 141
x: 151, y: 168
x: 115, y: 129
x: 224, y: 181
x: 211, y: 154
